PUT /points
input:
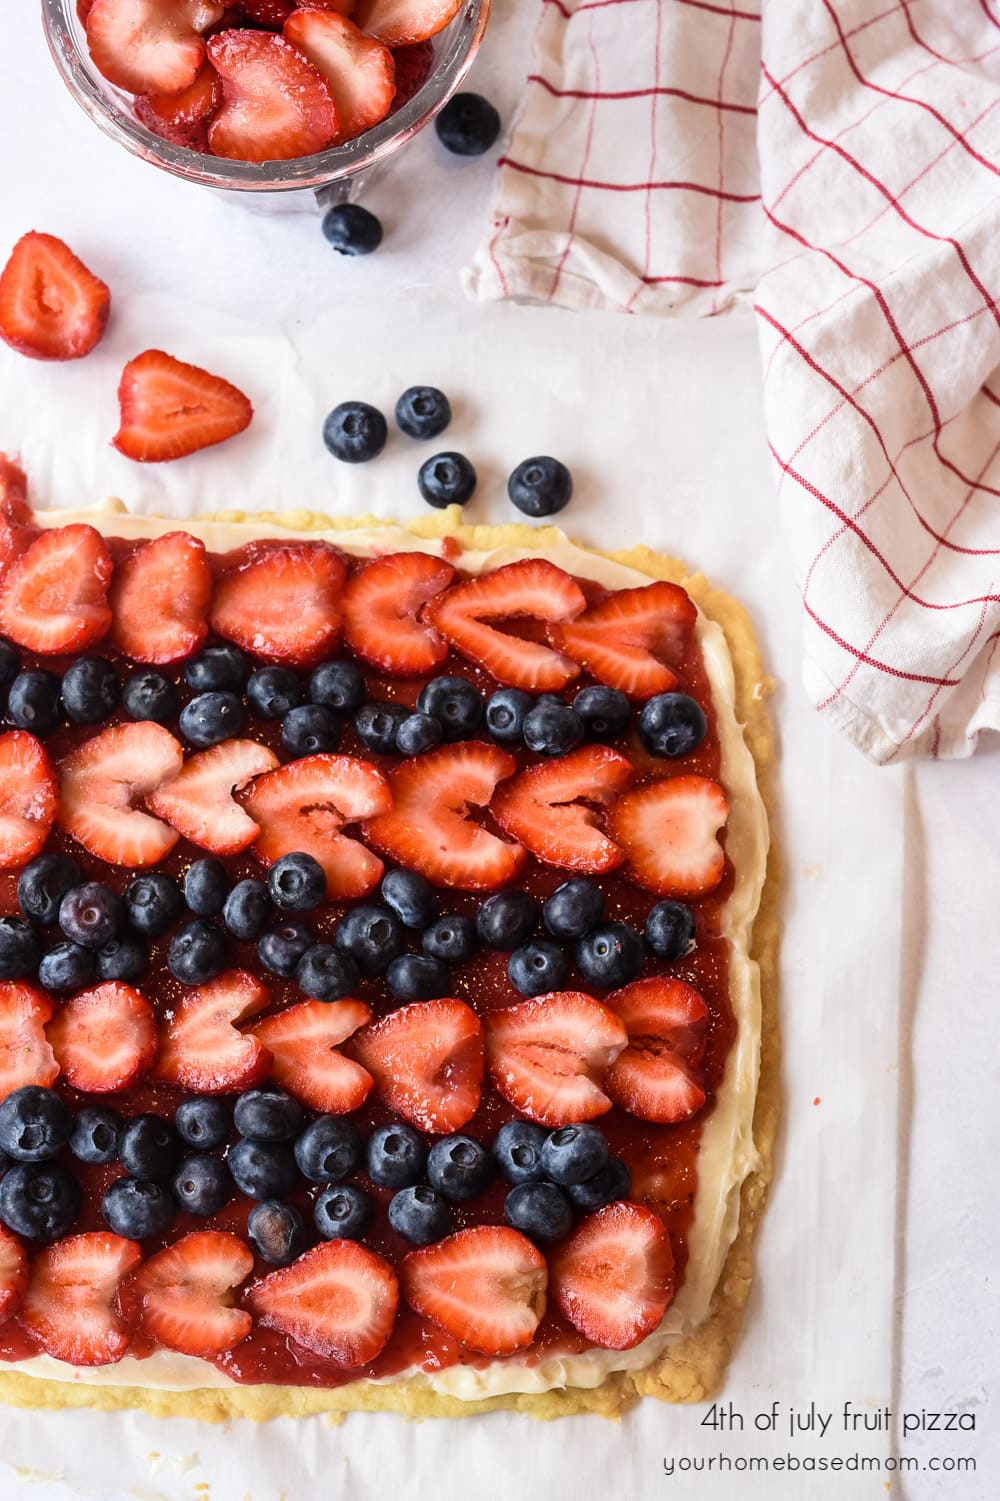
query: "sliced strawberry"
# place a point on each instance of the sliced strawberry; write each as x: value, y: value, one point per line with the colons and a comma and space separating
x: 159, y: 599
x: 484, y: 1286
x: 282, y: 603
x: 358, y: 70
x: 101, y: 782
x: 668, y: 832
x: 184, y: 1296
x: 51, y: 306
x: 548, y: 1057
x: 198, y: 803
x: 170, y: 409
x: 305, y: 804
x: 182, y: 118
x: 275, y: 104
x: 547, y: 808
x: 270, y: 13
x: 55, y: 595
x: 104, y: 1039
x: 304, y: 1040
x: 149, y: 46
x: 533, y: 589
x: 381, y: 603
x: 200, y: 1047
x: 655, y: 1077
x: 14, y: 505
x: 26, y: 1055
x: 339, y: 1300
x: 613, y: 1278
x: 428, y: 828
x: 83, y: 9
x: 29, y: 796
x: 400, y: 23
x: 632, y: 639
x: 13, y: 1273
x: 427, y: 1061
x: 414, y: 65
x: 69, y: 1306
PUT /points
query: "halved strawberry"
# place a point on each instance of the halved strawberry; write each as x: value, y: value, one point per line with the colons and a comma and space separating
x: 14, y: 505
x: 633, y: 639
x: 198, y: 803
x: 400, y: 23
x: 547, y: 807
x: 533, y: 589
x: 339, y: 1300
x: 414, y: 65
x: 13, y: 1273
x: 169, y: 409
x: 358, y: 70
x: 83, y: 9
x: 428, y: 828
x: 200, y: 1047
x: 654, y: 1078
x: 305, y: 804
x: 184, y: 1296
x: 613, y: 1278
x: 55, y: 595
x: 275, y: 104
x: 548, y: 1057
x: 668, y: 832
x: 102, y: 780
x: 484, y: 1286
x: 51, y: 306
x: 381, y: 603
x: 69, y: 1306
x: 159, y: 599
x: 281, y: 603
x: 303, y: 1040
x: 104, y: 1039
x: 427, y: 1062
x: 29, y: 796
x: 149, y: 46
x: 182, y: 118
x: 26, y: 1055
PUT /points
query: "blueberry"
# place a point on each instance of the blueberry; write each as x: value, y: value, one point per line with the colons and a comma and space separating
x: 423, y: 412
x: 329, y: 1150
x: 455, y: 703
x: 672, y: 725
x: 518, y: 1151
x: 355, y: 432
x: 447, y: 479
x: 610, y: 955
x: 420, y: 1215
x: 605, y: 712
x: 149, y: 1147
x: 417, y: 734
x: 540, y: 486
x: 204, y: 1121
x: 149, y: 695
x: 450, y: 939
x: 573, y: 908
x: 247, y: 909
x: 10, y: 662
x: 505, y: 711
x: 670, y: 930
x: 460, y: 1168
x: 37, y: 1202
x: 4, y: 1163
x: 153, y: 902
x: 310, y: 730
x: 210, y: 718
x: 411, y: 897
x: 468, y: 125
x: 396, y: 1156
x: 572, y: 1154
x: 273, y: 691
x: 89, y: 690
x: 342, y: 1212
x: 613, y: 1181
x: 325, y: 974
x: 197, y: 953
x: 338, y: 686
x: 67, y: 966
x: 42, y: 885
x: 281, y: 949
x: 121, y: 959
x: 201, y: 1185
x: 91, y: 914
x: 552, y: 729
x: 267, y: 1114
x: 376, y: 726
x: 216, y: 669
x: 262, y: 1169
x: 537, y: 967
x: 35, y: 1124
x: 34, y: 701
x: 94, y: 1137
x: 206, y: 887
x: 352, y: 229
x: 20, y: 948
x: 137, y: 1208
x: 539, y: 1210
x: 506, y: 919
x: 297, y: 882
x: 417, y: 977
x: 372, y: 935
x: 277, y: 1232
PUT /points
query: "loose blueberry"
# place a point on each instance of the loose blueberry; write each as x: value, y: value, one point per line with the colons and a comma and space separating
x: 572, y: 1154
x: 267, y: 1114
x: 518, y: 1151
x: 310, y: 730
x: 537, y: 967
x: 90, y: 690
x: 91, y: 914
x: 149, y: 695
x: 211, y: 718
x: 297, y: 882
x: 20, y: 948
x: 34, y: 702
x: 455, y: 704
x: 540, y: 486
x: 38, y: 1202
x: 216, y: 669
x: 447, y: 479
x: 417, y: 734
x: 204, y: 1121
x: 10, y: 662
x: 605, y: 712
x: 505, y: 711
x: 273, y: 691
x: 329, y: 1150
x: 372, y: 936
x: 468, y: 125
x: 417, y: 977
x: 411, y: 897
x: 460, y: 1168
x: 539, y: 1210
x: 262, y: 1169
x: 377, y: 724
x: 197, y: 954
x: 153, y: 902
x: 552, y: 729
x: 420, y: 1215
x: 338, y: 686
x: 450, y: 939
x: 670, y: 930
x: 355, y: 432
x: 352, y: 229
x: 121, y: 959
x: 282, y: 949
x: 94, y: 1137
x: 672, y: 725
x: 149, y: 1147
x: 614, y: 1181
x: 67, y: 966
x: 35, y: 1124
x: 277, y: 1232
x: 137, y: 1208
x: 423, y: 412
x: 610, y: 955
x: 247, y: 909
x: 42, y: 885
x: 202, y: 1185
x: 506, y: 919
x: 573, y: 908
x: 396, y: 1156
x: 206, y: 887
x: 342, y: 1212
x: 325, y: 974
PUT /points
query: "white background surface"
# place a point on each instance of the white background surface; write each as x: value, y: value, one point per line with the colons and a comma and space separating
x: 661, y: 424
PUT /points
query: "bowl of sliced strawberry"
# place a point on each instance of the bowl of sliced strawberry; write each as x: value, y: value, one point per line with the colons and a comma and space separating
x: 264, y: 96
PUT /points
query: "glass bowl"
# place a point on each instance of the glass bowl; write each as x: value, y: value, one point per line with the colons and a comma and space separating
x: 330, y: 175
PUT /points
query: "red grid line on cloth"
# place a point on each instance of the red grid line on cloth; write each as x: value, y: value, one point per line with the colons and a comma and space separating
x: 627, y: 187
x: 658, y: 92
x: 815, y: 57
x: 720, y: 121
x: 653, y: 149
x: 984, y: 7
x: 569, y: 11
x: 922, y: 717
x: 579, y: 185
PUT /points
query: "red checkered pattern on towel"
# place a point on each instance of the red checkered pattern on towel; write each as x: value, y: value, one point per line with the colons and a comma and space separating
x: 836, y: 165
